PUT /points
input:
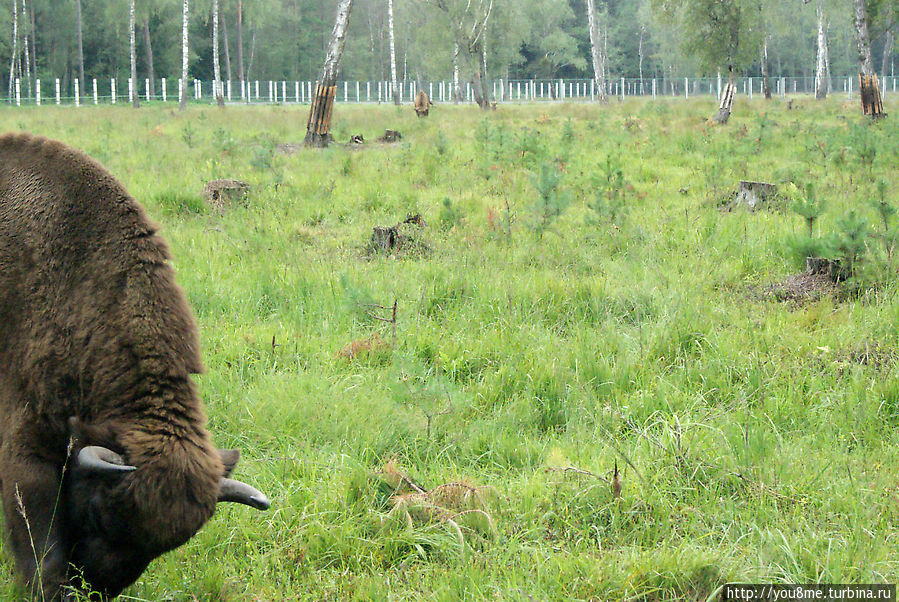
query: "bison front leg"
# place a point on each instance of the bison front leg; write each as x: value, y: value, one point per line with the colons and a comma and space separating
x: 31, y: 490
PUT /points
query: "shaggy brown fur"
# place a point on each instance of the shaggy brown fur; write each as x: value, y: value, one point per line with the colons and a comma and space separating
x: 422, y: 104
x: 97, y: 345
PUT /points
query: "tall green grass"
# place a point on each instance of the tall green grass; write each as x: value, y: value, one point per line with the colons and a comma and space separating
x: 754, y: 444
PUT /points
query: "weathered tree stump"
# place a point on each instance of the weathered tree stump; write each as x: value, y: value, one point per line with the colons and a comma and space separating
x: 390, y: 136
x: 401, y: 237
x: 819, y: 266
x: 385, y: 238
x: 356, y: 139
x: 221, y: 195
x: 753, y: 195
x: 872, y: 103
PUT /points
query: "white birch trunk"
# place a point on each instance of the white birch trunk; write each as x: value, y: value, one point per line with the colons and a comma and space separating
x: 185, y: 15
x: 28, y: 55
x: 863, y: 39
x: 135, y: 89
x: 457, y: 90
x: 216, y: 67
x: 396, y: 90
x: 640, y: 56
x: 821, y: 63
x: 596, y: 52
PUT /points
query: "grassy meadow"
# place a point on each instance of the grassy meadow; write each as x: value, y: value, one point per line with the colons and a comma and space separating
x: 621, y: 322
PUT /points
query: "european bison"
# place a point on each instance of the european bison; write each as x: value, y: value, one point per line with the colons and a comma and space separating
x: 422, y: 104
x: 105, y: 461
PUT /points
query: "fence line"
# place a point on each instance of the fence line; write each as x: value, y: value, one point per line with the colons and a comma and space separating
x: 531, y: 90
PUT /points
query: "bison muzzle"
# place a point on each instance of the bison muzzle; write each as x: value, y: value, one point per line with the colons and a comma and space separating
x: 105, y: 460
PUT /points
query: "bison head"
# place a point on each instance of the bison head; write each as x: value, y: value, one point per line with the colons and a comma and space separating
x: 113, y: 532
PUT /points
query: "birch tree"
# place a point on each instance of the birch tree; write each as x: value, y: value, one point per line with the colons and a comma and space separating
x: 15, y: 48
x: 216, y: 68
x: 185, y: 15
x: 821, y: 79
x: 597, y: 53
x: 393, y: 77
x: 469, y: 20
x: 863, y: 38
x: 319, y: 124
x: 135, y: 89
x: 78, y: 27
x: 25, y: 45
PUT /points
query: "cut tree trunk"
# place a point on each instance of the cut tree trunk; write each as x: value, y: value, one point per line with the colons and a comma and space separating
x: 319, y: 124
x: 753, y: 195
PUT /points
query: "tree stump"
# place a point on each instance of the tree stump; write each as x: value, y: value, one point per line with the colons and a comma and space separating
x: 404, y: 236
x: 385, y: 238
x: 390, y: 136
x: 819, y: 266
x: 754, y: 194
x: 872, y: 103
x: 224, y: 194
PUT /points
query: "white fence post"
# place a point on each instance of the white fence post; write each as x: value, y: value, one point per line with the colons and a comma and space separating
x: 77, y: 92
x: 37, y: 90
x: 57, y: 90
x: 18, y: 93
x: 96, y: 95
x: 130, y: 90
x: 163, y: 90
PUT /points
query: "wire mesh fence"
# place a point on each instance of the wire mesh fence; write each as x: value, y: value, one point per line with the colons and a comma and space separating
x: 113, y: 91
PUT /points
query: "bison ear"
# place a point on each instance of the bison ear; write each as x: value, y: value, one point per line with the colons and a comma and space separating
x: 229, y: 460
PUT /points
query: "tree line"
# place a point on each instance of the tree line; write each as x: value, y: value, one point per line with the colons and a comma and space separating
x: 440, y: 39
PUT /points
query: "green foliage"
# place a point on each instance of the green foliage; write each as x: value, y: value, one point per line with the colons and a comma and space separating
x: 644, y: 346
x: 551, y: 200
x: 720, y: 33
x: 805, y: 205
x: 609, y: 200
x: 450, y: 215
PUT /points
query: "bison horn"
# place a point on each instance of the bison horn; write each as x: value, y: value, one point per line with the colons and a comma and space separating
x: 231, y: 490
x: 101, y: 459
